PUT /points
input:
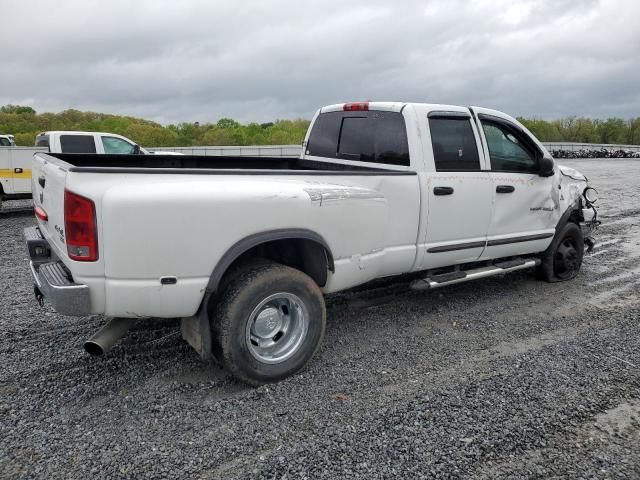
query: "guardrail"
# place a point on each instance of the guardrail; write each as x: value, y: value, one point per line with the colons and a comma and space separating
x: 233, y: 151
x: 294, y: 150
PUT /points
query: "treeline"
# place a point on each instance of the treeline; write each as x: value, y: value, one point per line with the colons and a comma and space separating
x: 25, y: 123
x: 586, y: 130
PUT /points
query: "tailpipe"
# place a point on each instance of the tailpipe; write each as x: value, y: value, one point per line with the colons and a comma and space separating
x: 105, y: 338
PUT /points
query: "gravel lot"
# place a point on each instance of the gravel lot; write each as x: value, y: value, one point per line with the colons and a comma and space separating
x: 505, y: 378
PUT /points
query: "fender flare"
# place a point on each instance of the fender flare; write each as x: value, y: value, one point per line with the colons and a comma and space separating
x: 564, y: 219
x: 256, y: 239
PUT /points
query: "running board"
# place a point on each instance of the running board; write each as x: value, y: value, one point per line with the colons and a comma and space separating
x: 500, y: 268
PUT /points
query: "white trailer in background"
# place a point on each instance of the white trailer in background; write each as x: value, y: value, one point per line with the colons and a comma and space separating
x: 15, y: 172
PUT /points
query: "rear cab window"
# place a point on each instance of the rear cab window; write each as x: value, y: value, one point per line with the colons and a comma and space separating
x: 368, y: 136
x: 77, y: 144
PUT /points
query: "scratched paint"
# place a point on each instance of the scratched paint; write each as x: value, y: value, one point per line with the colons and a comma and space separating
x: 321, y: 195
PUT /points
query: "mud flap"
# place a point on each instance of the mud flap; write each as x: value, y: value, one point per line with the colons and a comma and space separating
x: 196, y: 331
x: 38, y: 294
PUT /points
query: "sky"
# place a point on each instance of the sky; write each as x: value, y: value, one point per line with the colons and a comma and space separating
x: 201, y: 60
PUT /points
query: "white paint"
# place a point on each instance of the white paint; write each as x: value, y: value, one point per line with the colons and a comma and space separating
x: 155, y: 225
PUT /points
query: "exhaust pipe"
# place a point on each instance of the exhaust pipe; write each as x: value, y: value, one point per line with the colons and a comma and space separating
x: 105, y: 338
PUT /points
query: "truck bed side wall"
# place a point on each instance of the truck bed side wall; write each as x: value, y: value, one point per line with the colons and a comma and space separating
x: 154, y: 226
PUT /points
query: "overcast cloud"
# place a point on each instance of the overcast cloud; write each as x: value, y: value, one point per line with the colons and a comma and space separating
x: 200, y: 60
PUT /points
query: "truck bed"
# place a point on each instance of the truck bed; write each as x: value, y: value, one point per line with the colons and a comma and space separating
x: 190, y: 164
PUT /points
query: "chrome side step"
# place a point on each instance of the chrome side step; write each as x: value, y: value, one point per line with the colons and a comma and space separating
x: 499, y: 268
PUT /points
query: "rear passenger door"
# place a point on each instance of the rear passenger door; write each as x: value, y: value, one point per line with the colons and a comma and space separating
x: 524, y: 212
x: 459, y: 192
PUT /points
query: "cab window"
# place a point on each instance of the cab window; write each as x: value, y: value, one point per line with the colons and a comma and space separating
x: 454, y: 146
x: 4, y: 142
x: 77, y: 144
x: 42, y: 141
x: 508, y: 151
x: 366, y: 136
x: 117, y: 146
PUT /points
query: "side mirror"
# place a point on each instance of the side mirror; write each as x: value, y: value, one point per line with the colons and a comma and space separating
x: 136, y: 150
x: 547, y: 167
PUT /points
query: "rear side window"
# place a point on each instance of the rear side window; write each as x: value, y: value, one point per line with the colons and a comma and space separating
x: 454, y: 146
x: 42, y: 141
x: 77, y: 144
x: 367, y: 136
x: 4, y: 142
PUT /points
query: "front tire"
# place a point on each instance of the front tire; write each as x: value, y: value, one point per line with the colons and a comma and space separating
x: 563, y: 259
x: 268, y: 323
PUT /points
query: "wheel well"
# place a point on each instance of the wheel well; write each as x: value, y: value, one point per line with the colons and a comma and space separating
x: 307, y: 253
x: 576, y: 217
x: 572, y: 214
x: 299, y: 253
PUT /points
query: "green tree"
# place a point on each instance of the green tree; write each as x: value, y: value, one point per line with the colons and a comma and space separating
x: 25, y: 124
x: 17, y: 109
x: 612, y: 130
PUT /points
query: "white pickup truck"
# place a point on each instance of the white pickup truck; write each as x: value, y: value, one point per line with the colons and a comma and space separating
x: 243, y: 249
x: 15, y: 162
x: 7, y: 141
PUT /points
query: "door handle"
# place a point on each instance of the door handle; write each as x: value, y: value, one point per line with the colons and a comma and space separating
x: 505, y: 189
x: 17, y: 170
x: 442, y: 190
x: 41, y: 180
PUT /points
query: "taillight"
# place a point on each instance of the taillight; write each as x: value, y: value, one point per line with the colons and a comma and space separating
x: 41, y: 214
x: 80, y: 229
x: 355, y: 106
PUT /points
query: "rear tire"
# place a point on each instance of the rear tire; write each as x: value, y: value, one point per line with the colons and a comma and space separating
x: 563, y: 259
x: 268, y: 323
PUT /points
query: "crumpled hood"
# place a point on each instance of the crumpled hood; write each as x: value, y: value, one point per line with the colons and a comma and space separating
x: 572, y: 173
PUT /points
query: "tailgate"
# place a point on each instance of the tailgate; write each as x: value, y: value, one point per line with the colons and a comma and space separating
x: 48, y: 194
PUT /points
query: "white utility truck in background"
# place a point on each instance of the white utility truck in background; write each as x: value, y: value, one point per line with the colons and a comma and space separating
x: 7, y: 141
x: 243, y: 249
x: 15, y: 162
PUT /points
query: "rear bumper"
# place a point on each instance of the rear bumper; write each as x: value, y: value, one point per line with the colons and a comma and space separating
x: 53, y: 280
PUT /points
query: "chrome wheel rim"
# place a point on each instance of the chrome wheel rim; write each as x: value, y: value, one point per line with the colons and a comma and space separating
x: 277, y: 328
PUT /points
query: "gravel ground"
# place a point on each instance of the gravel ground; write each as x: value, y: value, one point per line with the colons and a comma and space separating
x: 504, y: 378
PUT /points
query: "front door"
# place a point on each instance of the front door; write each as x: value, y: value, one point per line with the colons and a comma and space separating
x: 459, y: 192
x: 525, y: 203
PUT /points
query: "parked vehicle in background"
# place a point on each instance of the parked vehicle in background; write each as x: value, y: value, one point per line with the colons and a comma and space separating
x: 243, y: 248
x: 15, y: 162
x: 7, y: 141
x: 87, y: 142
